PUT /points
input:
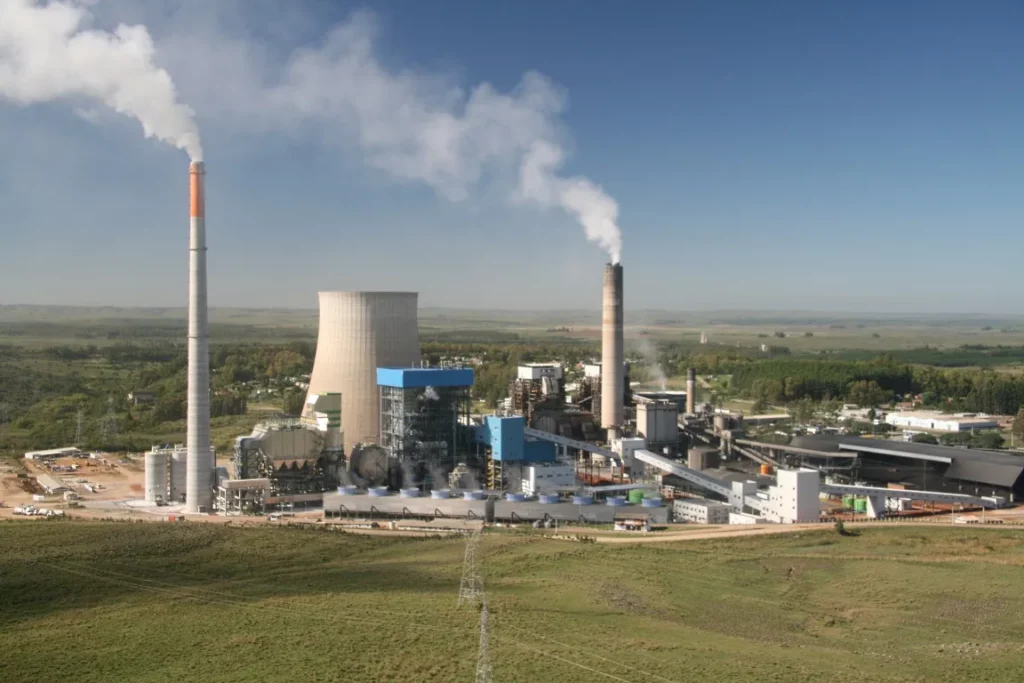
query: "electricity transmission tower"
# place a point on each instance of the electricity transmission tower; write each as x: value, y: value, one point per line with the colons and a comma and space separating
x: 109, y: 422
x: 483, y: 662
x: 471, y: 590
x: 78, y: 428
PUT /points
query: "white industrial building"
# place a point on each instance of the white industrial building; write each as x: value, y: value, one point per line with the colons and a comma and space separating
x: 54, y: 453
x: 744, y: 518
x: 658, y: 422
x: 548, y: 478
x: 941, y: 422
x: 794, y: 498
x: 52, y: 485
x: 537, y: 371
x: 700, y: 511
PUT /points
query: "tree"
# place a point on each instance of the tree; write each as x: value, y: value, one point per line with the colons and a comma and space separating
x: 802, y: 410
x: 1018, y: 424
x: 872, y: 414
x: 925, y: 438
x: 294, y: 401
x: 991, y: 440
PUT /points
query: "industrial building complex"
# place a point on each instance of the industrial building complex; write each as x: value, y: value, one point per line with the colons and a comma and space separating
x: 381, y: 434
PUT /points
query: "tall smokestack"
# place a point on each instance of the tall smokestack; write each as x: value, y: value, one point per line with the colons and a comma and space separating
x: 612, y: 354
x: 199, y: 480
x: 691, y: 390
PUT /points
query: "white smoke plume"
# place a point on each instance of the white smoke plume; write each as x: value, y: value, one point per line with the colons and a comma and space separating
x: 430, y: 394
x: 47, y: 52
x: 650, y: 354
x: 419, y: 128
x: 416, y: 126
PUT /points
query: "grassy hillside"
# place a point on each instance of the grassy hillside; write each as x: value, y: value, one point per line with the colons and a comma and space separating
x: 92, y: 601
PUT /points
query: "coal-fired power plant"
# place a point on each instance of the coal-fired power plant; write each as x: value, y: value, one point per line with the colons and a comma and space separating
x: 199, y: 481
x: 612, y: 352
x: 360, y: 332
x: 691, y: 390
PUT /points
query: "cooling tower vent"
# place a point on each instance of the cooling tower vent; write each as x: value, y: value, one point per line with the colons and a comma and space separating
x: 473, y: 495
x: 515, y: 497
x: 440, y: 494
x: 582, y: 500
x: 409, y: 493
x: 616, y: 501
x: 548, y: 498
x: 348, y: 490
x: 378, y: 491
x: 651, y: 502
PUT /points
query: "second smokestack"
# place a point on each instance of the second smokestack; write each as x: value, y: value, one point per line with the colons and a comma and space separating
x: 691, y: 390
x: 613, y: 357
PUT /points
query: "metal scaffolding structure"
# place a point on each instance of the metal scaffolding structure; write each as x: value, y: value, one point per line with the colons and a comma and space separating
x: 422, y: 425
x: 291, y: 456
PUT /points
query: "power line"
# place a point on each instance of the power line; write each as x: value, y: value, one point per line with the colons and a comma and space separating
x: 595, y: 655
x: 244, y: 602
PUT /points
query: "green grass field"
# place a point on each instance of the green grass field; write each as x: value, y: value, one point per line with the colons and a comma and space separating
x: 104, y: 601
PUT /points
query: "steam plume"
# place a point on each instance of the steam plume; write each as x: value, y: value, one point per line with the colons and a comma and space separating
x: 416, y: 126
x: 46, y: 54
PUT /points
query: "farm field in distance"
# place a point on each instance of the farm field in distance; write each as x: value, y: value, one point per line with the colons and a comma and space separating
x: 100, y: 601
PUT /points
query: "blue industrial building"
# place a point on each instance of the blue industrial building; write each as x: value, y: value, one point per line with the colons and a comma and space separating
x: 421, y: 378
x: 506, y: 439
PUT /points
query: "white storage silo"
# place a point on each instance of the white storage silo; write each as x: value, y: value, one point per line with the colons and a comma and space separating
x: 156, y: 476
x: 360, y: 332
x: 179, y: 474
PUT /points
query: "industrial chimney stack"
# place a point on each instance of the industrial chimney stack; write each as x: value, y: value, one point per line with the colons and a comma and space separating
x: 691, y: 390
x: 199, y: 479
x: 612, y: 354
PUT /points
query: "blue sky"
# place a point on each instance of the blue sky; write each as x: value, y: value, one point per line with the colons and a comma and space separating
x: 830, y: 156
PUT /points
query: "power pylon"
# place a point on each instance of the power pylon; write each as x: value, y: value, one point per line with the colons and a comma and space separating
x: 483, y: 662
x: 471, y: 590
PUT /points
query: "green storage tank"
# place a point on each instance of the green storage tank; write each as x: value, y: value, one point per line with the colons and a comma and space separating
x: 635, y: 497
x: 848, y: 501
x: 860, y: 505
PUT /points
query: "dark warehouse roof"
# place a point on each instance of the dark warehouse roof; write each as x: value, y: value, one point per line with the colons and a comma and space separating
x: 996, y: 468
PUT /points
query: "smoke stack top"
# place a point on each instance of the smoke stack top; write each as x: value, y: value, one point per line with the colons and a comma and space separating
x: 197, y: 190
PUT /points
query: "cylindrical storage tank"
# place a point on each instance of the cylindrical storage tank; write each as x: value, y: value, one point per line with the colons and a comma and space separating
x: 547, y: 498
x: 653, y: 502
x: 409, y: 493
x: 612, y: 352
x: 179, y: 475
x: 616, y: 501
x: 156, y: 477
x: 635, y: 496
x: 515, y: 497
x: 721, y: 422
x: 440, y: 494
x: 348, y: 490
x: 360, y: 332
x: 582, y: 500
x: 473, y: 495
x: 378, y: 491
x: 860, y: 505
x: 766, y: 469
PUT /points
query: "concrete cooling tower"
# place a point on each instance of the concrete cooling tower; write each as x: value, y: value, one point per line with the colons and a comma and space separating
x: 359, y: 332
